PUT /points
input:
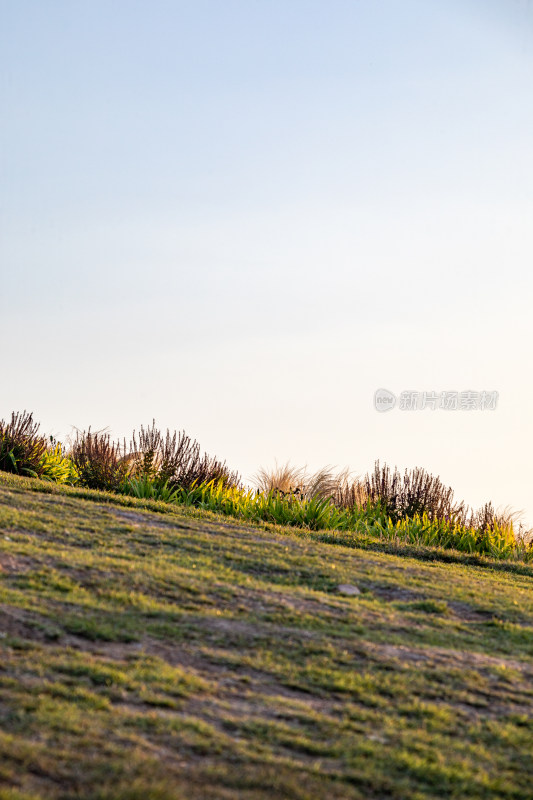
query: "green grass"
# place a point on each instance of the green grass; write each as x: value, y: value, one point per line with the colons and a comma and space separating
x: 321, y: 514
x: 150, y: 650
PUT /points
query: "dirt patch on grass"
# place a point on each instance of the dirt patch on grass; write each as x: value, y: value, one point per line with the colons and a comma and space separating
x: 454, y: 659
x: 152, y: 521
x: 16, y: 564
x: 21, y: 624
x: 469, y: 614
x: 392, y: 593
x: 403, y: 594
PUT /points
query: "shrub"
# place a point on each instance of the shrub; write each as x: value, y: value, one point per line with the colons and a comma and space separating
x: 416, y: 492
x: 99, y: 462
x: 152, y: 461
x: 21, y: 446
x: 176, y: 459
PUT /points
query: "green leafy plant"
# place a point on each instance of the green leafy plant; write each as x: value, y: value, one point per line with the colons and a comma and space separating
x: 146, y: 488
x: 58, y: 467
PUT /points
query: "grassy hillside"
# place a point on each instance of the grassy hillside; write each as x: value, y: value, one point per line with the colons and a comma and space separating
x: 152, y: 652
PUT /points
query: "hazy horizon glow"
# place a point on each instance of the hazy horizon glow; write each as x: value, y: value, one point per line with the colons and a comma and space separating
x: 242, y: 219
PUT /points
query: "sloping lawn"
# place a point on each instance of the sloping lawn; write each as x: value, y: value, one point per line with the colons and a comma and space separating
x: 148, y: 652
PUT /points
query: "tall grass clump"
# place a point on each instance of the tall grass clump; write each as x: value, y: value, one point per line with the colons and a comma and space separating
x: 338, y: 487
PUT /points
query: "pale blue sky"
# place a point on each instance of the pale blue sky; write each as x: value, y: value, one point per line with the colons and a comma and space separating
x: 244, y: 217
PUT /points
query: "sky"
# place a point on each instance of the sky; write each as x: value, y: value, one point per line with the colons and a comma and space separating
x: 243, y: 218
